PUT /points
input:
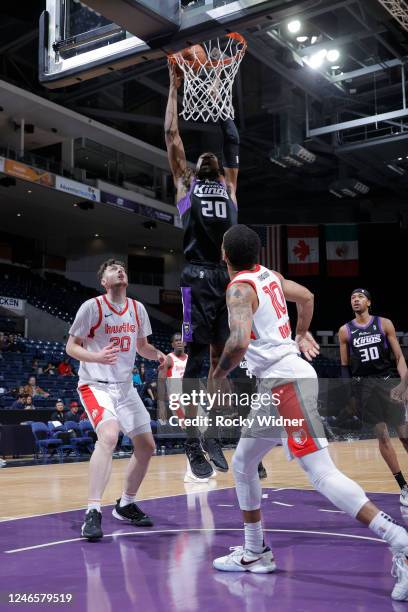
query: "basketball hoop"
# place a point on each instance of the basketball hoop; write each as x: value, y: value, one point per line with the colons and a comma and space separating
x: 209, y: 77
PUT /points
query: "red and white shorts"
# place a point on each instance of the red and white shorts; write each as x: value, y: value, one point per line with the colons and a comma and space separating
x: 119, y: 401
x: 293, y: 387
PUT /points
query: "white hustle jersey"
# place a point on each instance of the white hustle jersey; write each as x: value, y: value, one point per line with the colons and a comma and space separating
x: 271, y: 332
x: 178, y: 367
x: 98, y: 323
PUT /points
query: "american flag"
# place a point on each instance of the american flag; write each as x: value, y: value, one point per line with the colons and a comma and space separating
x: 270, y: 236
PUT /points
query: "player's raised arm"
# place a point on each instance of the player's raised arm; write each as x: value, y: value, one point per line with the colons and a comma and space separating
x: 241, y: 303
x: 174, y: 144
x: 304, y: 300
x: 230, y: 155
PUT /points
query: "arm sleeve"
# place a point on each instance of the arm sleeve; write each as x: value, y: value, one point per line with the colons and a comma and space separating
x: 230, y: 145
x: 86, y: 317
x: 145, y: 328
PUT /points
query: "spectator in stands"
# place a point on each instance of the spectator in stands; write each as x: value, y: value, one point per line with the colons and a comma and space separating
x: 4, y: 342
x: 20, y: 402
x: 73, y: 414
x: 36, y: 369
x: 65, y: 368
x: 150, y: 398
x: 142, y: 372
x: 15, y: 344
x: 50, y: 369
x: 59, y: 414
x: 33, y: 389
x: 29, y: 403
x: 136, y: 377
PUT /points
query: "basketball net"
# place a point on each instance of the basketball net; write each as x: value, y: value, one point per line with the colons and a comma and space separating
x: 208, y: 84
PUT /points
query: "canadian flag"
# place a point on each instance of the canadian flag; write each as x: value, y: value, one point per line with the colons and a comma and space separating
x: 303, y: 250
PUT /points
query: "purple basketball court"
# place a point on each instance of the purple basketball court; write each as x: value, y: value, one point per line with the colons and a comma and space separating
x: 325, y: 559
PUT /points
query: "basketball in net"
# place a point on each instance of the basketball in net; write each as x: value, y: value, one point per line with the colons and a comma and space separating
x: 209, y: 71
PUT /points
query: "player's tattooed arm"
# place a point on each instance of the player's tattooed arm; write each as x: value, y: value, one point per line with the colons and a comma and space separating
x: 240, y: 300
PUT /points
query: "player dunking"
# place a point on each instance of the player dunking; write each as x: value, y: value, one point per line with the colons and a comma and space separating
x: 260, y: 329
x: 207, y: 203
x: 107, y: 332
x: 366, y: 344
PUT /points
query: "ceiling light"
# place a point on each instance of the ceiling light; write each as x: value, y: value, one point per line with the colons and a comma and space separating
x: 314, y: 40
x: 18, y: 214
x: 400, y: 159
x: 335, y: 67
x: 348, y: 187
x: 316, y: 60
x: 96, y: 235
x: 333, y: 55
x: 294, y: 26
x: 302, y: 39
x: 144, y: 248
x: 396, y: 169
x: 29, y: 191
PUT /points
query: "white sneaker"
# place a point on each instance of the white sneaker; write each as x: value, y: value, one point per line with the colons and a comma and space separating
x: 404, y: 496
x: 241, y: 560
x: 400, y: 572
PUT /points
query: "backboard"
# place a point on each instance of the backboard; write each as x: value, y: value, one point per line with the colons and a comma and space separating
x: 82, y: 40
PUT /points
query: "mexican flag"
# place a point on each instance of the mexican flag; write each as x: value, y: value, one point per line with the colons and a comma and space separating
x: 303, y: 250
x: 342, y: 250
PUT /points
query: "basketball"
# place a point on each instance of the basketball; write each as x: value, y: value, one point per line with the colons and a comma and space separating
x: 196, y: 55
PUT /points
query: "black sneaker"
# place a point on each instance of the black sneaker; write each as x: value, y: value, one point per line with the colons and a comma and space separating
x: 213, y: 447
x: 91, y: 529
x: 131, y: 514
x: 198, y: 463
x: 261, y: 471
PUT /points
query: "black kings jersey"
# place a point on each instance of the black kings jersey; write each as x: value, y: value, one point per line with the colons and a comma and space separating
x: 206, y: 212
x: 369, y: 351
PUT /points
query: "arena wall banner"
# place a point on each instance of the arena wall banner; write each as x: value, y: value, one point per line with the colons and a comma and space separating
x: 11, y: 303
x: 123, y: 203
x: 77, y: 189
x: 2, y: 160
x: 27, y: 173
x: 141, y: 209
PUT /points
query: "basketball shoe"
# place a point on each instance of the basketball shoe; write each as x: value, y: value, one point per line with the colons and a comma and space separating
x: 241, y: 560
x: 213, y: 448
x: 200, y: 467
x: 262, y: 473
x: 404, y: 496
x: 400, y: 572
x: 131, y: 514
x: 189, y: 477
x: 91, y: 529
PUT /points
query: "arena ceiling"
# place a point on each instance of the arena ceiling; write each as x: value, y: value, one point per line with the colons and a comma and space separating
x: 279, y: 100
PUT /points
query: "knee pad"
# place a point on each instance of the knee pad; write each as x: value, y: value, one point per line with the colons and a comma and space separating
x: 326, y: 478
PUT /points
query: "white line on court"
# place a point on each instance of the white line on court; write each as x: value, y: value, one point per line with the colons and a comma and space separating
x: 336, y: 511
x: 282, y: 504
x: 156, y: 531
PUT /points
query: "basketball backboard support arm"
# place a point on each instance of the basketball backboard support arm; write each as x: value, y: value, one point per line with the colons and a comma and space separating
x: 70, y: 59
